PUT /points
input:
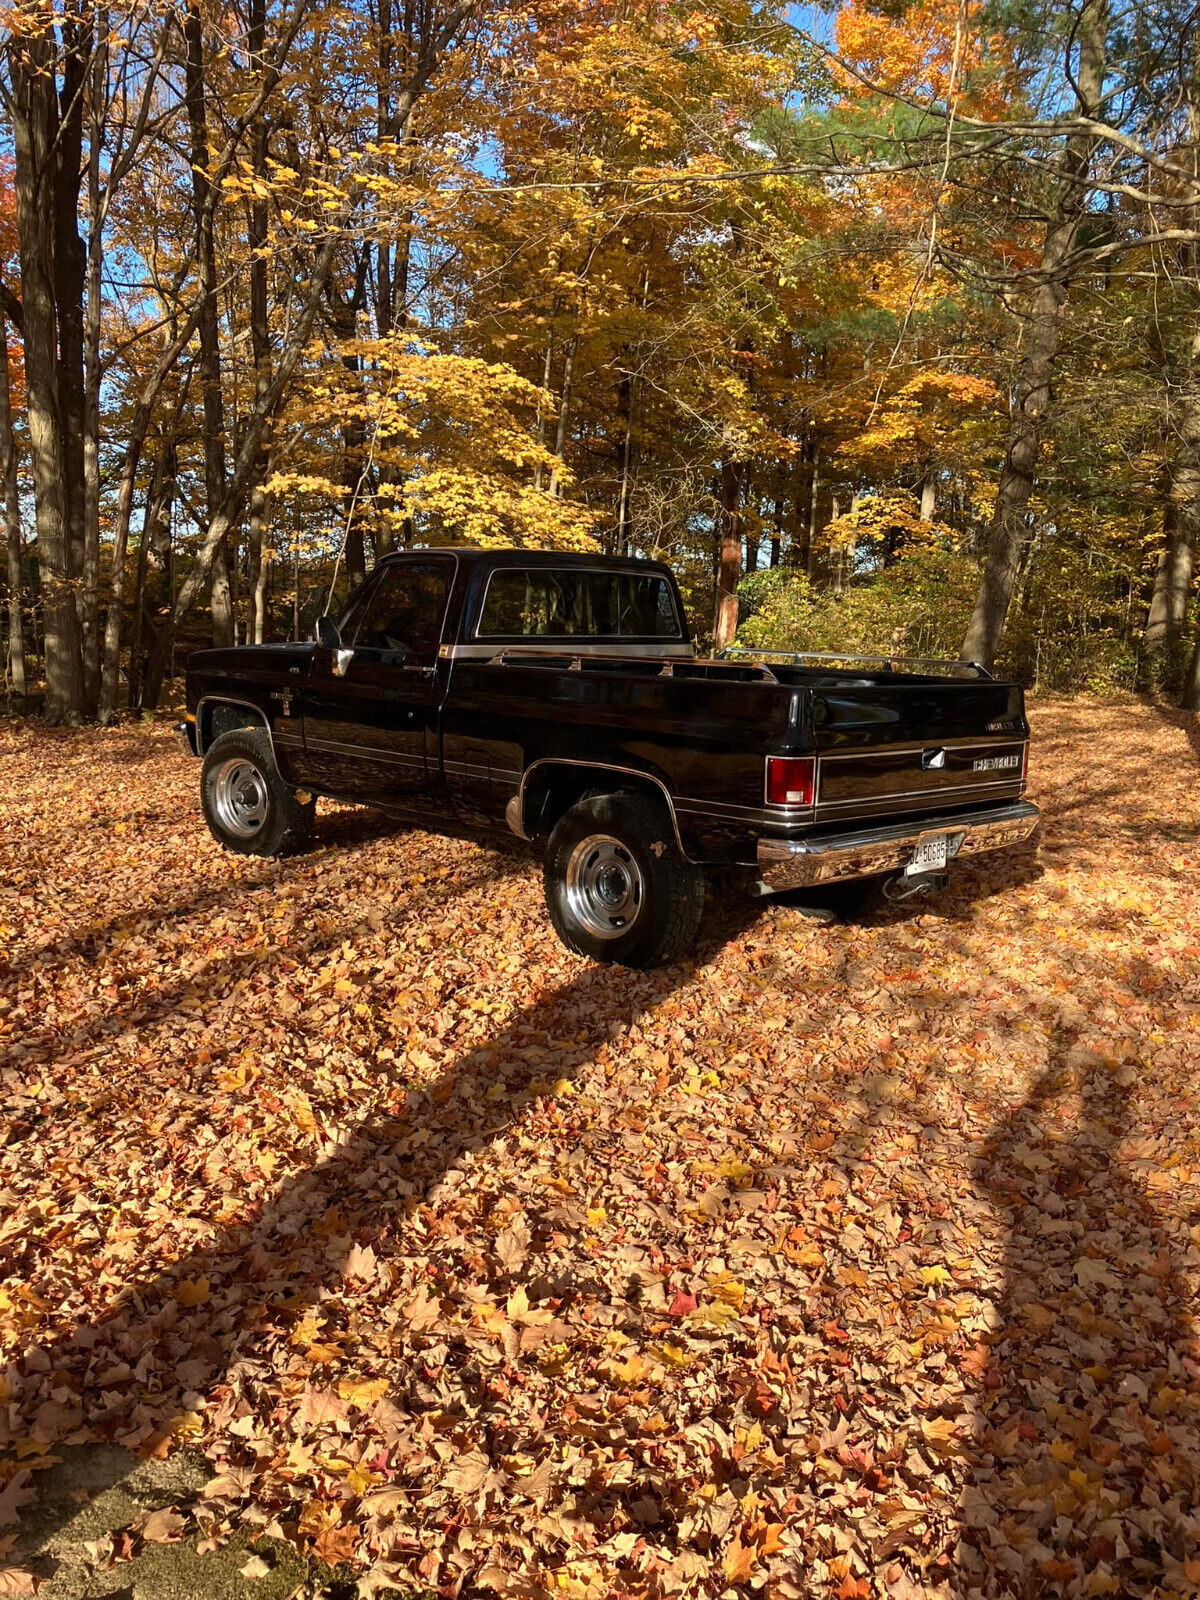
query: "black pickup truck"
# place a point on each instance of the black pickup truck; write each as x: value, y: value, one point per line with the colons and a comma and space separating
x: 559, y: 696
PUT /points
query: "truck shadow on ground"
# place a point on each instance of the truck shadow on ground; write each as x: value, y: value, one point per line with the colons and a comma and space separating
x: 1051, y: 1170
x: 147, y: 1349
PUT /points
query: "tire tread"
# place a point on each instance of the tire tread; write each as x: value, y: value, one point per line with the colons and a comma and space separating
x: 676, y: 884
x: 290, y: 824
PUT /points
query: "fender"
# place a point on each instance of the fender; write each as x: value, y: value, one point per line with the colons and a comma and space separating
x: 514, y: 813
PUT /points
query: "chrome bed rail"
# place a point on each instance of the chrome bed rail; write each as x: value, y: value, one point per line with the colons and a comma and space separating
x: 800, y: 658
x: 668, y: 666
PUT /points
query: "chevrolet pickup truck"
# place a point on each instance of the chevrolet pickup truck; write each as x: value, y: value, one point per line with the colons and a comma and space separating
x: 559, y: 697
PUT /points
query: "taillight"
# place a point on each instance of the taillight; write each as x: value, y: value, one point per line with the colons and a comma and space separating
x: 1025, y: 761
x: 790, y: 780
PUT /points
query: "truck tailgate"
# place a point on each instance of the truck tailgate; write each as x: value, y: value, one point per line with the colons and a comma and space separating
x: 895, y: 745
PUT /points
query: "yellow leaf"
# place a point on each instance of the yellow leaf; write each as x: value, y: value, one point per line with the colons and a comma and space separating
x: 235, y: 1078
x: 935, y: 1275
x: 673, y: 1355
x: 192, y: 1291
x: 717, y: 1313
x: 624, y: 1372
x: 363, y: 1392
x: 940, y: 1434
x: 727, y: 1288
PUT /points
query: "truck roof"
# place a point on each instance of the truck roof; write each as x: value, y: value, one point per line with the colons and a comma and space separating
x: 530, y: 558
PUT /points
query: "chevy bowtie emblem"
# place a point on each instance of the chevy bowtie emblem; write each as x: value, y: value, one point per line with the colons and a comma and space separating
x: 932, y: 760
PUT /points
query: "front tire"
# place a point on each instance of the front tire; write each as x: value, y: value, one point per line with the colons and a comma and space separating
x: 617, y: 887
x: 247, y: 806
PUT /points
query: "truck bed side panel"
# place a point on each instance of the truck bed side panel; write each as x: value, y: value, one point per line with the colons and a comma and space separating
x: 707, y: 742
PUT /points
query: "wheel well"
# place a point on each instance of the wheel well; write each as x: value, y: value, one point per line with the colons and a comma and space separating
x: 218, y: 717
x: 553, y: 790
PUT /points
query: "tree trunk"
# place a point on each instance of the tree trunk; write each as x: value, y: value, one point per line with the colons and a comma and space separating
x: 1166, y: 617
x: 35, y: 126
x: 210, y: 345
x: 928, y: 498
x: 623, y: 527
x: 157, y: 502
x: 138, y: 428
x: 1167, y: 612
x: 547, y: 373
x: 564, y: 412
x: 70, y: 278
x: 260, y: 335
x: 1032, y: 397
x: 90, y: 592
x: 813, y: 491
x: 1190, y: 699
x: 12, y: 524
x: 393, y: 264
x: 841, y: 555
x: 752, y: 549
x: 160, y: 561
x: 729, y: 566
x: 116, y: 599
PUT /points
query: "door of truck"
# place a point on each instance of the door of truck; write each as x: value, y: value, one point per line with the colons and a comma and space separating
x: 370, y: 706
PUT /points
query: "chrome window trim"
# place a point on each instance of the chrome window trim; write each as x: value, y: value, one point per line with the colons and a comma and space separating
x: 594, y: 766
x: 678, y: 637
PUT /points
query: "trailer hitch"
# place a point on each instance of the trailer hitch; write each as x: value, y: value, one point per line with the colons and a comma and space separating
x: 922, y: 883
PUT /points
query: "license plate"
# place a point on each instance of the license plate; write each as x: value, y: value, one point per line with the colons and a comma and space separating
x: 929, y: 855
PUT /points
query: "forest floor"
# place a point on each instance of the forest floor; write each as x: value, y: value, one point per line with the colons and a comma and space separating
x: 350, y: 1229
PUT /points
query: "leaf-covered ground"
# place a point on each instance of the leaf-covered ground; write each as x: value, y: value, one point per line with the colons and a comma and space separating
x: 848, y: 1260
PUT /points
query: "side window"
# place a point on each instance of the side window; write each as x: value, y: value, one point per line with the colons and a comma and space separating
x: 351, y: 614
x: 406, y: 610
x: 524, y: 603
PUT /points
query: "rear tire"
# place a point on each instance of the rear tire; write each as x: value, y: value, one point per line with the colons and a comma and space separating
x: 247, y: 806
x: 618, y: 889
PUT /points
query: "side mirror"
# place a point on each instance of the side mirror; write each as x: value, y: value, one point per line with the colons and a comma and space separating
x: 328, y: 636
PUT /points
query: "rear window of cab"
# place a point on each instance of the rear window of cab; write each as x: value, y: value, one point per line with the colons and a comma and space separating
x: 541, y: 603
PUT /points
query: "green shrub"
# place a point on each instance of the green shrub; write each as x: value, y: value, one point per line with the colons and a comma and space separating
x: 918, y: 606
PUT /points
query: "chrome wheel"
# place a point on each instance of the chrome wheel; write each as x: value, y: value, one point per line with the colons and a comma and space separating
x: 604, y: 887
x: 240, y: 797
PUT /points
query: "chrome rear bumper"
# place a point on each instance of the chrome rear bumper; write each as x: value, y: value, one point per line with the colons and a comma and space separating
x: 832, y: 858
